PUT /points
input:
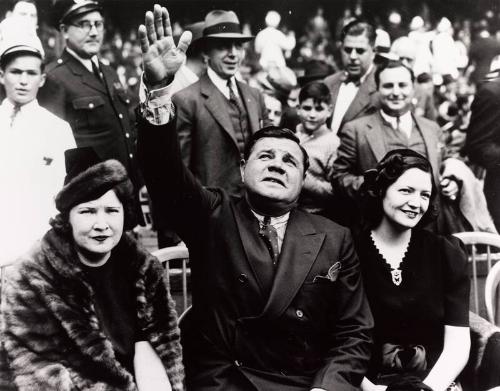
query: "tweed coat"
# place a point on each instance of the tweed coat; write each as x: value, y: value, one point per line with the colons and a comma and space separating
x: 250, y: 327
x: 99, y: 113
x: 365, y: 102
x: 52, y: 337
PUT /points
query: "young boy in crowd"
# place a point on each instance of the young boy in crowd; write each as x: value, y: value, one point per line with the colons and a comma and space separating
x: 315, y: 107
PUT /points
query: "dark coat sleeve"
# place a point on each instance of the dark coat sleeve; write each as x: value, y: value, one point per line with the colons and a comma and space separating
x: 483, y: 135
x: 347, y: 359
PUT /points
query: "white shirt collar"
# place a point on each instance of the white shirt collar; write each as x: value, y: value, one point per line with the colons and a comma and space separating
x: 405, y: 122
x: 87, y: 62
x: 221, y: 83
x: 279, y: 223
x: 26, y: 107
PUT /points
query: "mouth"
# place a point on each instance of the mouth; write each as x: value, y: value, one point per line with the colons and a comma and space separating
x: 274, y: 180
x: 411, y: 214
x: 100, y: 238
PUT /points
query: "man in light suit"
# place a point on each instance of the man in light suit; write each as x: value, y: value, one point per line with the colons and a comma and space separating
x: 217, y: 114
x: 353, y: 89
x: 364, y: 141
x: 278, y: 302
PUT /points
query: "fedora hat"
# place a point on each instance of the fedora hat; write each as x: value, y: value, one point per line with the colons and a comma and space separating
x: 223, y: 24
x: 315, y: 70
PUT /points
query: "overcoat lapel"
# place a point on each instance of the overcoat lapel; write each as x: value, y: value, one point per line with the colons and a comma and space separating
x: 79, y: 69
x: 298, y: 253
x: 214, y: 101
x: 251, y: 106
x: 257, y: 254
x: 374, y: 137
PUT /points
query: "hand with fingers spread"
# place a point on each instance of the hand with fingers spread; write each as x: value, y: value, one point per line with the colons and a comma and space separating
x: 160, y: 56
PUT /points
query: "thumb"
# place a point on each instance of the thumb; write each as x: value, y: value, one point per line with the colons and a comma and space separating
x: 184, y: 41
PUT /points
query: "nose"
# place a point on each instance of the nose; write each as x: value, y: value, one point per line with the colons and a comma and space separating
x: 276, y: 165
x: 396, y: 90
x: 233, y: 49
x: 100, y: 223
x: 23, y: 79
x: 414, y: 201
x: 353, y: 55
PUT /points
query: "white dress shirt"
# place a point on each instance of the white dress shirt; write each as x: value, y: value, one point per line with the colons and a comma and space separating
x: 405, y: 122
x: 32, y: 171
x: 279, y: 224
x: 221, y: 83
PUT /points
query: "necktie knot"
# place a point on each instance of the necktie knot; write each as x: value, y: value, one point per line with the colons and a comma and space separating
x: 270, y: 237
x: 96, y: 71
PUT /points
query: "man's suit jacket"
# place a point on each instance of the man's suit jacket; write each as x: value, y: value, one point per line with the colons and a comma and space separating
x: 99, y: 113
x: 365, y: 102
x: 208, y: 140
x: 363, y: 145
x: 246, y: 330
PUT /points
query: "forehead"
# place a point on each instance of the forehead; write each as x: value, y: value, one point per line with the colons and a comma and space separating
x: 415, y: 178
x: 109, y: 199
x: 278, y: 145
x: 395, y: 75
x: 25, y: 62
x: 313, y: 103
x: 357, y: 41
x: 272, y: 102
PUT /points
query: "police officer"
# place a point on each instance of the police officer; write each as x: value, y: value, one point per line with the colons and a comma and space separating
x: 87, y: 93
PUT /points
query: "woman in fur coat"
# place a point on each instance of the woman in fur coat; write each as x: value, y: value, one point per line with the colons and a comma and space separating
x: 88, y: 308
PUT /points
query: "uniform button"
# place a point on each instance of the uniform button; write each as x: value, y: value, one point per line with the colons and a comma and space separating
x: 59, y: 61
x: 91, y: 105
x: 120, y: 116
x: 238, y: 363
x: 130, y: 155
x: 127, y: 100
x: 299, y: 314
x: 242, y: 278
x: 127, y: 135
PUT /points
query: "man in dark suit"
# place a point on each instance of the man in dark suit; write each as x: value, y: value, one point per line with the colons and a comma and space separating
x: 278, y: 302
x: 482, y: 143
x: 353, y: 89
x: 87, y: 93
x: 364, y: 141
x: 217, y: 114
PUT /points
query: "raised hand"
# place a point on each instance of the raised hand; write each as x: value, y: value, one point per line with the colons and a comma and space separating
x: 160, y: 56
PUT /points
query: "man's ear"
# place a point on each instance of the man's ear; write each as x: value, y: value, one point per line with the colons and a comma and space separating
x: 63, y: 29
x: 242, y: 169
x: 1, y: 76
x: 42, y: 80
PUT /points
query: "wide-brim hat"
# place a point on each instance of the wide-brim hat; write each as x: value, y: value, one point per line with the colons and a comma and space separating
x: 278, y: 81
x: 225, y: 25
x: 315, y: 70
x: 66, y: 10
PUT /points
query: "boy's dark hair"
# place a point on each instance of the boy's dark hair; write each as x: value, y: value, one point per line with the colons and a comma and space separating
x: 390, y: 65
x: 275, y: 132
x: 6, y: 59
x: 388, y: 170
x: 358, y: 27
x: 316, y: 90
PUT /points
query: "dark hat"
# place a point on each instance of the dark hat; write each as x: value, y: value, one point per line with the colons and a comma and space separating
x: 315, y: 70
x: 65, y: 10
x: 224, y: 24
x: 87, y: 177
x: 279, y: 81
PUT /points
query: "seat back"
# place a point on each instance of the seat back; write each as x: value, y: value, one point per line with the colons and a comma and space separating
x: 484, y: 250
x: 3, y: 267
x: 491, y: 294
x: 167, y: 254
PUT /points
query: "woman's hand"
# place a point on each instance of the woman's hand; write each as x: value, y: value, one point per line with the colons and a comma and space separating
x: 160, y: 57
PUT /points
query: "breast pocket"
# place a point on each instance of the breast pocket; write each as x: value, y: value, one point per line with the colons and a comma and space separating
x: 89, y: 112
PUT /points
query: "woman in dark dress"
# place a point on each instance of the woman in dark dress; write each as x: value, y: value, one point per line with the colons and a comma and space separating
x: 89, y: 308
x: 416, y: 281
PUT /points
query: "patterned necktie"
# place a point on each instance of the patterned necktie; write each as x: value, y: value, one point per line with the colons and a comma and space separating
x: 270, y: 236
x: 15, y: 111
x: 235, y: 99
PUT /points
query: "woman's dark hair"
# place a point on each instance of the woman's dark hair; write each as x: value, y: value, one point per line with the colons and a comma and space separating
x: 388, y: 170
x: 124, y: 192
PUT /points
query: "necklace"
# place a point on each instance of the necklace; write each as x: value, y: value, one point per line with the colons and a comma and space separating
x: 394, y: 261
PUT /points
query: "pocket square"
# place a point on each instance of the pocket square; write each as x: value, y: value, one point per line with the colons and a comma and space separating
x: 331, y: 275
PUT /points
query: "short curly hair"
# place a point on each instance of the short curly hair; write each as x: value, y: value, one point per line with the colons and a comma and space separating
x: 388, y: 170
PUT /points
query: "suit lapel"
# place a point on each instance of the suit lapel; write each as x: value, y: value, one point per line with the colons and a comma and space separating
x: 256, y: 252
x: 334, y: 88
x: 251, y: 106
x: 374, y: 136
x: 361, y: 100
x: 298, y: 253
x: 431, y: 145
x: 79, y: 69
x: 214, y: 101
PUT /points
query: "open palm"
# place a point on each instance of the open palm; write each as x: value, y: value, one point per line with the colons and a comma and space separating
x: 160, y: 56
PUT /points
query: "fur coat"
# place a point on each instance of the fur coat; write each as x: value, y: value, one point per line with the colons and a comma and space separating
x: 52, y: 336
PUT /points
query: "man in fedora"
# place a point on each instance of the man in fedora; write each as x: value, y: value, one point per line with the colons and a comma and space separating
x: 87, y: 93
x: 217, y: 114
x: 278, y: 301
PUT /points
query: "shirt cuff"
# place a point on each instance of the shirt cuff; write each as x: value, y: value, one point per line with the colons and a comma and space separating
x: 156, y: 106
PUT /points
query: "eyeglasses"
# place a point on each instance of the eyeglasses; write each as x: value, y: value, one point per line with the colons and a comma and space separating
x: 86, y: 25
x: 349, y: 50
